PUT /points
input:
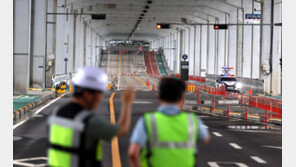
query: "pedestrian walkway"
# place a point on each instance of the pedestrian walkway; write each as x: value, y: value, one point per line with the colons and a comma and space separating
x: 23, y: 100
x: 26, y: 102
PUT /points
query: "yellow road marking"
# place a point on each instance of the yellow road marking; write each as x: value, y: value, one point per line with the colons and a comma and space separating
x: 114, y: 143
x: 142, y: 82
x: 34, y: 89
x: 150, y: 63
x: 119, y: 73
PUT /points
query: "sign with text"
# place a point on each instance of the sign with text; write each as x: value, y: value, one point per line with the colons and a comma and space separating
x: 252, y: 18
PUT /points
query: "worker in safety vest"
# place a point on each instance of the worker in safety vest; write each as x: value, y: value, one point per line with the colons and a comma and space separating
x: 167, y: 137
x: 76, y: 132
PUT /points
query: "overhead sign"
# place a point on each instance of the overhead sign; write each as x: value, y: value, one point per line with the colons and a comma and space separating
x: 252, y: 18
x: 184, y: 56
x: 98, y: 16
x: 140, y: 48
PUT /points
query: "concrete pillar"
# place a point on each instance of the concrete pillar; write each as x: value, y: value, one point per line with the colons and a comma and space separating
x: 277, y: 49
x: 51, y: 41
x: 79, y: 43
x: 239, y: 49
x: 21, y: 45
x: 38, y: 43
x: 198, y: 41
x: 191, y: 46
x: 266, y: 44
x: 211, y: 52
x: 248, y: 37
x: 61, y: 40
x: 176, y: 52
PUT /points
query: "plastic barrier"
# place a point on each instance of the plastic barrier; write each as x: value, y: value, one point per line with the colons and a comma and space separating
x: 267, y: 104
x: 191, y: 77
x: 190, y: 88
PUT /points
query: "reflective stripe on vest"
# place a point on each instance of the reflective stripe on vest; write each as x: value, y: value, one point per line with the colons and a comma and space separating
x: 155, y: 143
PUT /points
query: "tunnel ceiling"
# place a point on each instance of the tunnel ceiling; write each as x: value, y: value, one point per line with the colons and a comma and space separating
x: 122, y: 15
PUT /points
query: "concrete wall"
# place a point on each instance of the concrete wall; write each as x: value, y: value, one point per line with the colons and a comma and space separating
x: 68, y: 36
x: 242, y: 47
x: 21, y: 45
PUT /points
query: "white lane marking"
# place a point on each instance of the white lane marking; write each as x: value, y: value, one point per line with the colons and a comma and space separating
x: 259, y: 160
x: 108, y: 63
x: 118, y: 83
x: 213, y: 164
x: 38, y: 111
x: 203, y: 116
x: 234, y: 145
x: 276, y: 147
x: 17, y: 96
x: 205, y: 126
x: 216, y: 164
x: 217, y: 134
x: 132, y: 63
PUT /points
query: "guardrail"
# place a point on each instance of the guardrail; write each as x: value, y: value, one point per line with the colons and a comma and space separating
x: 267, y: 104
x: 191, y: 77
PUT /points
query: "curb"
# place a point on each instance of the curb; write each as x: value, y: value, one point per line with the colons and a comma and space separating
x: 27, y: 108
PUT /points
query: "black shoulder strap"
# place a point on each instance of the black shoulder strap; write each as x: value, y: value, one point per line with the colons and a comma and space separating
x: 85, y: 154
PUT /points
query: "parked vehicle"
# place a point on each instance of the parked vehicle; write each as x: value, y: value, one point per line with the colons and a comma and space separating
x: 230, y: 83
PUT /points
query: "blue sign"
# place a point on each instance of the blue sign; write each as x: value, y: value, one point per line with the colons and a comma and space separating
x: 253, y: 16
x: 184, y: 56
x: 66, y: 59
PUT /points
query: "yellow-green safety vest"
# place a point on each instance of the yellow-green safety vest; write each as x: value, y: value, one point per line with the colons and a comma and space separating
x: 65, y: 138
x: 171, y: 140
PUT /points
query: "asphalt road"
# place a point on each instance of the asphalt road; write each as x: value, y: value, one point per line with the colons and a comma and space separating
x: 227, y: 144
x: 234, y: 142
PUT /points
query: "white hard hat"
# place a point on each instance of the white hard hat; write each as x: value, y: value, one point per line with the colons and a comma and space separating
x: 91, y: 78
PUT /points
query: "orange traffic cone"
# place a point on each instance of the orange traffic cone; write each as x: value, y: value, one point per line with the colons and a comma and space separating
x: 250, y: 90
